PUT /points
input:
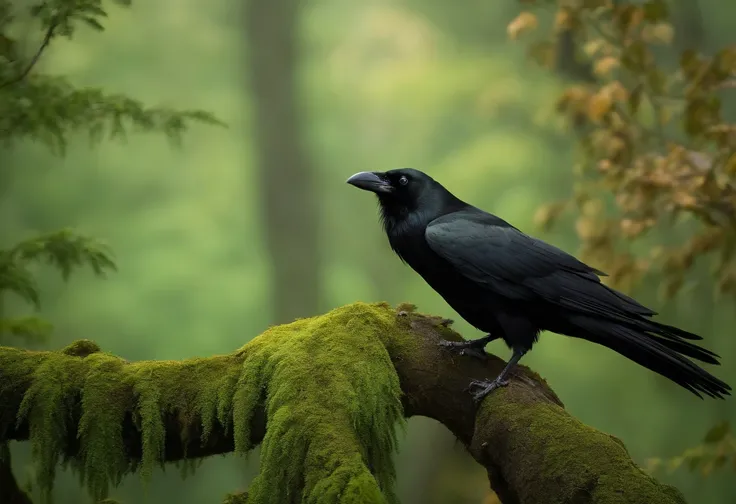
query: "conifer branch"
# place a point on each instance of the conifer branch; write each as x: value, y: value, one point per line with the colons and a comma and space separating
x: 36, y: 57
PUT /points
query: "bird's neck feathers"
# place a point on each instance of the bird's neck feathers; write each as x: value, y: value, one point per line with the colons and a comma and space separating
x: 398, y: 218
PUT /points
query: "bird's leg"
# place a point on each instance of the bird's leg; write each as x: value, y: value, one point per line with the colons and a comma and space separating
x: 485, y: 387
x: 474, y: 348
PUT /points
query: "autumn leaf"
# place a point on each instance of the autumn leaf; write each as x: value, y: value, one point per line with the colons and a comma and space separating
x: 653, y: 139
x: 659, y: 33
x: 604, y: 66
x: 526, y: 21
x: 599, y: 105
x: 546, y: 215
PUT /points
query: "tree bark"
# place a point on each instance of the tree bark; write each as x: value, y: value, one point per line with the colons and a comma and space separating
x: 533, y: 450
x: 289, y: 207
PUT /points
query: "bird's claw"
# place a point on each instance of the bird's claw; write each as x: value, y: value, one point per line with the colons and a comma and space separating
x: 469, y: 348
x: 485, y: 387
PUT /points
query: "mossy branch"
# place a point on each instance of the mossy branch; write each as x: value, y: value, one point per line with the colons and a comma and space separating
x: 323, y: 396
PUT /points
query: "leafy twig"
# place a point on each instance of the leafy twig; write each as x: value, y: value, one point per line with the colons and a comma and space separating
x: 44, y: 44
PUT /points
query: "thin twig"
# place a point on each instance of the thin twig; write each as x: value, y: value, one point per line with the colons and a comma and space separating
x: 36, y: 57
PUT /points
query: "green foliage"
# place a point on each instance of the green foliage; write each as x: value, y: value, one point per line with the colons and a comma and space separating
x: 48, y: 108
x: 717, y: 451
x: 236, y: 498
x: 64, y: 250
x: 331, y: 415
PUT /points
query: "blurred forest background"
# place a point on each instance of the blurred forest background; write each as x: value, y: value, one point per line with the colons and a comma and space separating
x: 242, y: 227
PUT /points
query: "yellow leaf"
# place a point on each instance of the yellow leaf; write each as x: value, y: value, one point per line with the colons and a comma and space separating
x: 685, y: 200
x: 586, y: 227
x: 524, y: 22
x: 604, y: 66
x: 547, y: 214
x: 563, y: 19
x: 593, y: 47
x: 616, y: 91
x: 598, y: 106
x: 592, y: 208
x: 658, y: 33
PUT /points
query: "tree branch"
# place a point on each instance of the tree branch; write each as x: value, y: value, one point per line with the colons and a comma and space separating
x: 36, y: 57
x: 533, y: 450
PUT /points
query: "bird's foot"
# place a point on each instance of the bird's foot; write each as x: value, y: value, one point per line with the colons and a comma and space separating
x: 481, y: 388
x: 473, y: 348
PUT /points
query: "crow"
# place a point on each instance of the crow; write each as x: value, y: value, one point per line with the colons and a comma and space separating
x: 513, y: 286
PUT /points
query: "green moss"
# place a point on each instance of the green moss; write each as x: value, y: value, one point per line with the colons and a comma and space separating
x: 574, y: 454
x: 331, y: 395
x: 333, y: 400
x: 81, y: 348
x: 236, y: 498
x: 47, y: 406
x: 105, y: 399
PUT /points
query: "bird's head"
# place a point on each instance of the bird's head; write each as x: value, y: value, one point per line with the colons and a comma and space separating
x: 405, y: 192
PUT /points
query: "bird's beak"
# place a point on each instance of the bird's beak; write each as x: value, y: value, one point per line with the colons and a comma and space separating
x: 369, y: 181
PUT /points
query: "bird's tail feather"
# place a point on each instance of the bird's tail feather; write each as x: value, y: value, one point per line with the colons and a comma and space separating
x: 659, y: 352
x: 671, y: 337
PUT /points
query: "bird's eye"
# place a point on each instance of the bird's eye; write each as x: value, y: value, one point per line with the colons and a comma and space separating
x: 403, y: 180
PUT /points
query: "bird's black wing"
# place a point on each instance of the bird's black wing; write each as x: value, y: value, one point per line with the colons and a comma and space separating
x: 492, y: 253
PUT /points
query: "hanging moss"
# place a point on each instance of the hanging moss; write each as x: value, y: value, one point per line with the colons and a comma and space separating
x: 331, y: 395
x: 105, y: 400
x: 333, y: 399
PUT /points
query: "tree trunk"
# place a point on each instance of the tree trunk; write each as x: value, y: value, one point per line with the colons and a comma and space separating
x: 289, y: 207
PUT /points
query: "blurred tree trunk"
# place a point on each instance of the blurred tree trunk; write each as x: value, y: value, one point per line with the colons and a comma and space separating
x: 288, y: 200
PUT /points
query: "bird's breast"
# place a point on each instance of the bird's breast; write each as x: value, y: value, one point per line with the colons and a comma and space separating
x: 472, y: 302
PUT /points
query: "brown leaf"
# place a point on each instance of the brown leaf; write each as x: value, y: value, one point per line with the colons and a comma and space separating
x: 546, y: 215
x: 604, y: 66
x: 525, y: 21
x: 685, y: 200
x: 565, y: 19
x: 593, y: 47
x: 658, y: 33
x: 599, y: 105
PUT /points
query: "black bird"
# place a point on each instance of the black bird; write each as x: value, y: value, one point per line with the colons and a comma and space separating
x: 513, y: 286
